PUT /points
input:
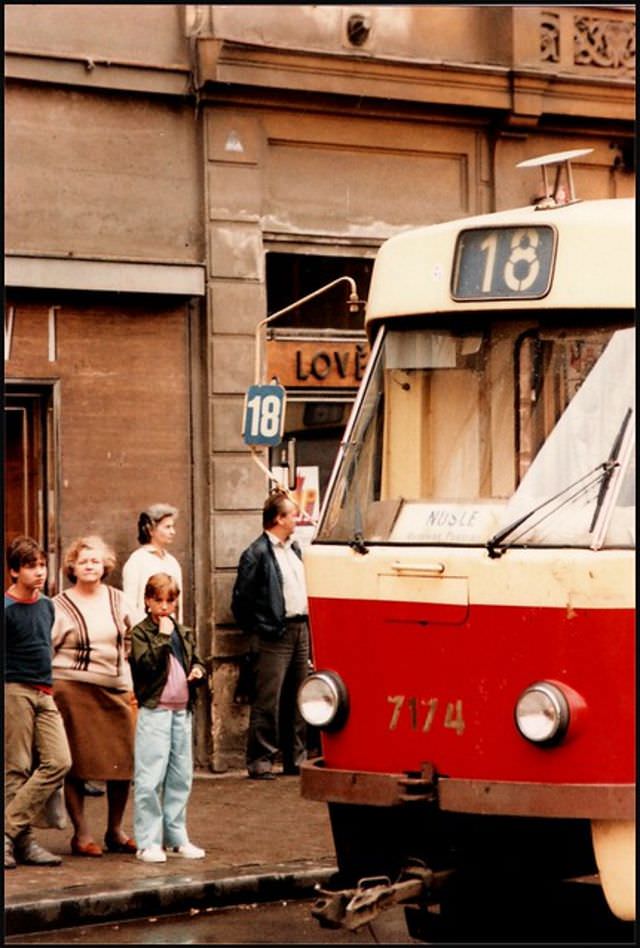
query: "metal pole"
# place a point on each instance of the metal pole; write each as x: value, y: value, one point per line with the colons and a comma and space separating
x: 353, y: 298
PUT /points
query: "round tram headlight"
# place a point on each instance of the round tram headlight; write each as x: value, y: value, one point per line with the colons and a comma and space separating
x: 322, y: 700
x: 542, y: 713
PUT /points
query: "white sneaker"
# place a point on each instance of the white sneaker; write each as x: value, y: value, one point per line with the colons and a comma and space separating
x: 152, y: 854
x: 188, y: 851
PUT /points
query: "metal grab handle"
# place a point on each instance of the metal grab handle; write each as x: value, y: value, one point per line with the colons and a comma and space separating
x: 418, y: 569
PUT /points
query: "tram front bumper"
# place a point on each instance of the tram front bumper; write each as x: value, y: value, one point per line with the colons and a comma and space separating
x: 363, y: 787
x: 501, y: 798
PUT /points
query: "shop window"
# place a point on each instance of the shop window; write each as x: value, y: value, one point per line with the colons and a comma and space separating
x: 291, y: 276
x: 318, y: 351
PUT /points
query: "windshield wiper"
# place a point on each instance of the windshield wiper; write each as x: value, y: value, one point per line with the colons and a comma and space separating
x: 611, y: 464
x: 563, y: 497
x: 612, y: 482
x: 602, y: 473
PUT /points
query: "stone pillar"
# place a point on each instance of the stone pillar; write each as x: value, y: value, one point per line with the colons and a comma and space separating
x: 236, y: 303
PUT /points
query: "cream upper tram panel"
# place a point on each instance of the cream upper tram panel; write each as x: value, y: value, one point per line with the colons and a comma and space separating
x: 593, y: 266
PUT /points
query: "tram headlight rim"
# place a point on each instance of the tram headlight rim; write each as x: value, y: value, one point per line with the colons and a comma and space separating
x: 335, y: 695
x: 552, y: 718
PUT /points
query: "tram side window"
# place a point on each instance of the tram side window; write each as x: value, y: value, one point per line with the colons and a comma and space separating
x: 550, y: 368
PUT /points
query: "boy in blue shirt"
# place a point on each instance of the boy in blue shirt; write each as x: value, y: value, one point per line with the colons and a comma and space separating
x: 36, y: 752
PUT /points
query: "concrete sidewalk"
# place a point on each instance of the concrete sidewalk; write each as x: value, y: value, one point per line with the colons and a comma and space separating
x: 263, y: 842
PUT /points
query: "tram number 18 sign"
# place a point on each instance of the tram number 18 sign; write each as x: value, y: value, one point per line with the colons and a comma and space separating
x: 503, y: 263
x: 263, y: 421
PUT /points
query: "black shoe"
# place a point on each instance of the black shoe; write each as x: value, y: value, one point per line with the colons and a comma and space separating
x: 291, y: 771
x: 33, y: 854
x: 91, y: 790
x: 9, y: 858
x: 263, y: 775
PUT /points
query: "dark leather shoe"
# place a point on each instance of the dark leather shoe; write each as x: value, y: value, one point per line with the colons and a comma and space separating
x: 263, y: 775
x: 33, y: 854
x: 9, y: 858
x: 114, y: 845
x: 291, y: 771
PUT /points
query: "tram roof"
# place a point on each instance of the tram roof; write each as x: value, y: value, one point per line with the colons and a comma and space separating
x: 594, y: 262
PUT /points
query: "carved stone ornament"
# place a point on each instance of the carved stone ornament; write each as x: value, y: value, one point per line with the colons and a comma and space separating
x: 608, y: 44
x: 550, y: 38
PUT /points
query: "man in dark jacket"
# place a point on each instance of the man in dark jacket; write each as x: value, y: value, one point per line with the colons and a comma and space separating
x: 270, y: 604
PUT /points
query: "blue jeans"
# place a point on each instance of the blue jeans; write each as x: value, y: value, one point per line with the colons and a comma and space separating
x: 163, y: 773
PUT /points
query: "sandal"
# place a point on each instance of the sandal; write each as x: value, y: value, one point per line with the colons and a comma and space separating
x: 115, y: 845
x: 89, y: 849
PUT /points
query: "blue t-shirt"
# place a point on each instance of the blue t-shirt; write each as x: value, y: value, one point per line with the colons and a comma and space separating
x: 28, y: 640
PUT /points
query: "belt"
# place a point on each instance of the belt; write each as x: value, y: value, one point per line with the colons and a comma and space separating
x: 300, y: 618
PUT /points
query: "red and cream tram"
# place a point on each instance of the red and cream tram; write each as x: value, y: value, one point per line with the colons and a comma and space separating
x: 471, y: 580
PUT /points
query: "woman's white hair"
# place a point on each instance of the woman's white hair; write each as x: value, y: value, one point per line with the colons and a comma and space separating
x: 157, y: 512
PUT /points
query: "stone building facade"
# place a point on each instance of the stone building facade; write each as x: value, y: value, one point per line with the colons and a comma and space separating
x: 174, y: 173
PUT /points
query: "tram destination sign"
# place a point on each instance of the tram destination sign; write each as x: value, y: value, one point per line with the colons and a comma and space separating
x: 503, y: 263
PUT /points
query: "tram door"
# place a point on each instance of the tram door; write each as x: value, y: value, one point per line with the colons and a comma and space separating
x: 29, y: 471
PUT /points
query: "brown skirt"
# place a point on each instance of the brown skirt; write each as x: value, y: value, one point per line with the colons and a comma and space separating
x: 100, y: 731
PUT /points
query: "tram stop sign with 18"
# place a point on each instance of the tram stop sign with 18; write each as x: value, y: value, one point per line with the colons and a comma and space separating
x: 263, y: 421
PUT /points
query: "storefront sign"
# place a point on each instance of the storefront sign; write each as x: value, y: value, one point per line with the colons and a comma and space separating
x: 317, y: 363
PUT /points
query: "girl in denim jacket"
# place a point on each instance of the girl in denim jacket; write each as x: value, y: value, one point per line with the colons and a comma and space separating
x: 165, y: 667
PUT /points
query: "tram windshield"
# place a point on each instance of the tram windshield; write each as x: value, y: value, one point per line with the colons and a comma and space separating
x: 461, y: 435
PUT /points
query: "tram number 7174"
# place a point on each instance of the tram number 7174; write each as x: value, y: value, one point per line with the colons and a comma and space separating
x: 423, y: 713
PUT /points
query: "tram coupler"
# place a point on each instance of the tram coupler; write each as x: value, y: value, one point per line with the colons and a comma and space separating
x: 352, y: 908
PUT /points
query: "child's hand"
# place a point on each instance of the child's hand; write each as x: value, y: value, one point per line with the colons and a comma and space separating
x: 165, y: 626
x: 195, y: 673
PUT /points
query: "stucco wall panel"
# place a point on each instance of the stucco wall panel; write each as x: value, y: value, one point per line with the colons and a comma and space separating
x: 233, y: 533
x: 332, y: 188
x: 235, y: 191
x: 227, y: 426
x: 232, y: 365
x: 233, y: 137
x: 90, y: 176
x: 325, y: 174
x: 113, y: 30
x: 434, y: 31
x: 235, y: 250
x: 236, y: 306
x: 223, y: 588
x: 236, y: 478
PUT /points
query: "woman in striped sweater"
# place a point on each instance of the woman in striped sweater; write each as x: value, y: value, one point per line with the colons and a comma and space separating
x: 92, y: 688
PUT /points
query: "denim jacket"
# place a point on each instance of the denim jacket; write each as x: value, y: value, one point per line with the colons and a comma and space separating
x: 149, y: 660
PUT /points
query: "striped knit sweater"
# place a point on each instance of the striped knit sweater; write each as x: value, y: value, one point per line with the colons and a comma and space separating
x: 91, y: 639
